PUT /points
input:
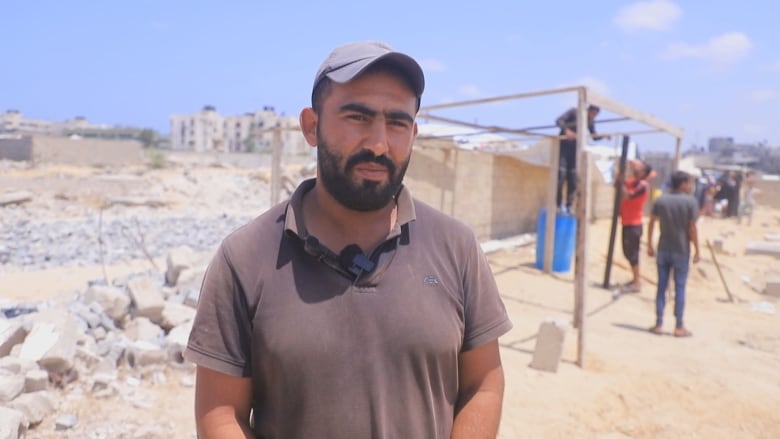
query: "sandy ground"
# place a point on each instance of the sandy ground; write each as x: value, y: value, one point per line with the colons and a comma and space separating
x: 723, y: 382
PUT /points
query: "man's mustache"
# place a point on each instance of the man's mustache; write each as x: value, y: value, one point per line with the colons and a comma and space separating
x: 366, y: 156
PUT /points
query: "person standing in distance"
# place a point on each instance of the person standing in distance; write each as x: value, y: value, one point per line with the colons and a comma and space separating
x: 567, y: 161
x: 677, y: 213
x: 351, y: 310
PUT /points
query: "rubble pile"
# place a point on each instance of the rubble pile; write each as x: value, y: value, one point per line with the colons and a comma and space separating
x: 107, y: 342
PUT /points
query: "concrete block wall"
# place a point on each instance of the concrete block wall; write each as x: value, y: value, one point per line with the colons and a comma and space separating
x: 16, y: 149
x: 770, y: 193
x: 496, y: 196
x: 87, y: 152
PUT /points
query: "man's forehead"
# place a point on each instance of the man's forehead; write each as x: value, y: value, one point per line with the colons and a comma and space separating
x: 373, y: 93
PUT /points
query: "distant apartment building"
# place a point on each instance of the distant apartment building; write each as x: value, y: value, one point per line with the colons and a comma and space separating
x: 720, y: 145
x: 206, y: 130
x: 13, y: 123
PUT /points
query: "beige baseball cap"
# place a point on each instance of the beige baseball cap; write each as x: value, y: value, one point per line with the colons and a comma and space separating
x: 346, y: 62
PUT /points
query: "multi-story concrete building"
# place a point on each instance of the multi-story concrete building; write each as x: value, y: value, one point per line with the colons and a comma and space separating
x: 202, y: 131
x: 207, y: 130
x: 13, y: 122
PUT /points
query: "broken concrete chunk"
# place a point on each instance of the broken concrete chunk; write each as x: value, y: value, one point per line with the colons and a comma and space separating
x: 114, y: 301
x: 147, y: 297
x: 65, y: 422
x: 36, y: 380
x: 763, y: 248
x: 52, y: 340
x: 549, y: 345
x: 13, y: 424
x: 18, y: 197
x: 36, y: 406
x: 175, y: 314
x: 772, y: 287
x: 11, y: 386
x: 142, y: 328
x: 176, y: 342
x: 11, y: 333
x: 178, y: 259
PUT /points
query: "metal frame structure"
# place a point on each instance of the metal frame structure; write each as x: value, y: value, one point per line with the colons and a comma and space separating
x: 585, y: 97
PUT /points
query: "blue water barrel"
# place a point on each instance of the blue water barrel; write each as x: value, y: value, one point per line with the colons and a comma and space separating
x: 563, y: 245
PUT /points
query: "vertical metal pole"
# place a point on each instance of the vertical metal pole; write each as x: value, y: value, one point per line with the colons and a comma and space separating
x: 582, y: 281
x: 276, y: 164
x: 581, y: 206
x: 552, y: 184
x: 619, y: 179
x: 677, y: 153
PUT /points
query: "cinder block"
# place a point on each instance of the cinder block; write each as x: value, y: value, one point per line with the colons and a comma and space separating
x: 549, y: 345
x: 772, y: 287
x: 143, y: 353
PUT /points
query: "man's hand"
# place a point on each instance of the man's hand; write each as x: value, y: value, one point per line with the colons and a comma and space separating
x: 569, y: 134
x: 651, y: 252
x: 696, y: 258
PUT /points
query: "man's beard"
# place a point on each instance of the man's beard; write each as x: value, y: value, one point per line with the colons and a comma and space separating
x: 366, y: 196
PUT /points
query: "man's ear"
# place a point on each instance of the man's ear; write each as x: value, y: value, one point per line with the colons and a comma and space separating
x: 308, y: 121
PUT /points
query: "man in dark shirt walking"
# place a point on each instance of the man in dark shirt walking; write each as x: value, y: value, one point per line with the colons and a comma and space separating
x: 677, y: 212
x: 567, y: 164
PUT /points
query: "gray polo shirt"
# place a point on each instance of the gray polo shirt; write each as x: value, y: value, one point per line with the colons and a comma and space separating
x: 335, y: 357
x: 675, y: 211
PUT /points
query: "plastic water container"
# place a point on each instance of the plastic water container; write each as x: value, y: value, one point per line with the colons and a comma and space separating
x: 563, y: 245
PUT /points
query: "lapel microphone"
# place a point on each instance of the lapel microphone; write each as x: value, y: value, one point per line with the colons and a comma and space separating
x: 355, y: 261
x: 351, y: 258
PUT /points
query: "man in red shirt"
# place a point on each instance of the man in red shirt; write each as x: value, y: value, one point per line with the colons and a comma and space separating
x: 634, y: 194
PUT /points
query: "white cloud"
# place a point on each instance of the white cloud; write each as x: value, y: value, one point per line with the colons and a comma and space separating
x: 657, y: 15
x: 433, y: 65
x: 722, y: 50
x: 470, y: 91
x: 763, y: 95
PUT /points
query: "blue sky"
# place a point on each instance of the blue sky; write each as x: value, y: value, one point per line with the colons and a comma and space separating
x: 711, y: 68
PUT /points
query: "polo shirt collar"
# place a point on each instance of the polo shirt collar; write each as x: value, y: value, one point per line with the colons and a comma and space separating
x: 293, y: 220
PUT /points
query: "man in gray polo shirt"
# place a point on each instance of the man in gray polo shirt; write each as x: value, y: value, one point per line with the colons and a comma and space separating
x: 677, y: 212
x: 353, y: 310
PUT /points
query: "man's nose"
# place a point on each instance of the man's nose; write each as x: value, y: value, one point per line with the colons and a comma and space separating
x: 377, y: 141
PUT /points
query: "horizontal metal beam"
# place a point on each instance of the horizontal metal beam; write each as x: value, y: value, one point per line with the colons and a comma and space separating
x: 487, y: 128
x: 500, y: 98
x: 624, y: 110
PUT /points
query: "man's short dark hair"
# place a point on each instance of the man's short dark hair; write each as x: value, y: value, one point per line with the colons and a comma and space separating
x: 595, y: 108
x: 648, y: 169
x: 678, y: 178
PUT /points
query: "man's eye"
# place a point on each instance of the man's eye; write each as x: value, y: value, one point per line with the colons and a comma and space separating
x: 399, y: 123
x: 358, y: 117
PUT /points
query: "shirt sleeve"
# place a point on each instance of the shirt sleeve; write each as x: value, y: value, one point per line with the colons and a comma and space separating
x: 566, y: 118
x: 221, y: 332
x: 485, y: 315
